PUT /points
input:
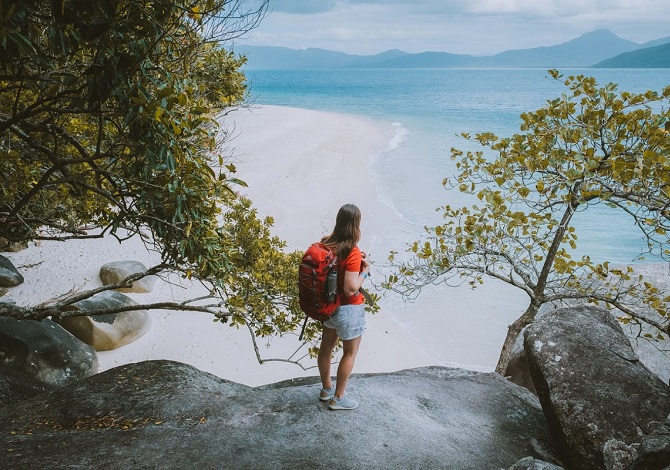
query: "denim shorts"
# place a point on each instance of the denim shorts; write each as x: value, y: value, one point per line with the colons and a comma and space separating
x: 348, y: 321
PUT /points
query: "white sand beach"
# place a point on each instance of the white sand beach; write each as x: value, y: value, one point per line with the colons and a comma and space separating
x: 301, y: 166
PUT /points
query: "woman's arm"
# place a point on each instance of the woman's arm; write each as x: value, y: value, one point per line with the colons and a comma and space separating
x: 353, y: 280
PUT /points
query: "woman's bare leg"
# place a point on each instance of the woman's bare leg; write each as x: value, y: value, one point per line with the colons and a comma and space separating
x: 328, y: 342
x: 346, y: 365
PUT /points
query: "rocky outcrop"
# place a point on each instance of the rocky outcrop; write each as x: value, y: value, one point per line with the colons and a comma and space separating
x: 162, y: 414
x: 16, y: 387
x: 599, y: 400
x: 117, y: 271
x: 45, y: 351
x: 653, y: 353
x: 654, y: 450
x: 9, y: 275
x: 108, y: 331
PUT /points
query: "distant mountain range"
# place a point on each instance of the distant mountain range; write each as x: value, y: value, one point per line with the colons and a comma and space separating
x: 649, y: 57
x: 600, y: 48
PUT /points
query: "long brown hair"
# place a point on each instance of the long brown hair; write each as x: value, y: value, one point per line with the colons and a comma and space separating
x: 347, y: 231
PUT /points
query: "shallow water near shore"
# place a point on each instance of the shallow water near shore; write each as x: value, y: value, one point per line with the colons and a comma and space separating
x: 429, y: 108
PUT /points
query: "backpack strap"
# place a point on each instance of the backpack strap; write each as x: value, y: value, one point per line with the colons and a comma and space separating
x: 304, y: 324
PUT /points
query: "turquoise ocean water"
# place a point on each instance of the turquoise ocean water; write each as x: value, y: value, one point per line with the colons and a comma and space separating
x: 429, y: 108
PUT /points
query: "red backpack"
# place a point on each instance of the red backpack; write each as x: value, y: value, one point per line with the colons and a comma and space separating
x: 317, y: 282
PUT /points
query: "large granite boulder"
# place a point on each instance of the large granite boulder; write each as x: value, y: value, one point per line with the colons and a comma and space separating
x: 162, y: 414
x: 108, y: 331
x: 16, y: 387
x: 9, y: 275
x: 45, y: 351
x: 599, y: 400
x: 117, y: 271
x: 653, y: 353
x: 654, y: 451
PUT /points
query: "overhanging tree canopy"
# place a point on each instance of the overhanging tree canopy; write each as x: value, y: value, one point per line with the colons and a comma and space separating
x: 107, y: 115
x: 108, y: 127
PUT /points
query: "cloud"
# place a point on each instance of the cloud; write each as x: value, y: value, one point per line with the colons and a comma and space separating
x: 526, y: 8
x: 457, y: 26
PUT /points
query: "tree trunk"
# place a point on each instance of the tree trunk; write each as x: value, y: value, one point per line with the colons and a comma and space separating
x: 512, y: 333
x: 538, y: 290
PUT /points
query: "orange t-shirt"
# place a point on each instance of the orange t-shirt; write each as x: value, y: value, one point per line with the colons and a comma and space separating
x: 353, y: 264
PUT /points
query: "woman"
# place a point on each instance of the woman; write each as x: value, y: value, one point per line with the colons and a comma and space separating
x: 348, y: 321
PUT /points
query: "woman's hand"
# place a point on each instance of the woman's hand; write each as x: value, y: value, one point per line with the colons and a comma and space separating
x: 366, y: 265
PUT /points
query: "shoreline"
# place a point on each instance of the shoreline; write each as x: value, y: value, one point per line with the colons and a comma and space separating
x: 301, y: 166
x: 274, y: 148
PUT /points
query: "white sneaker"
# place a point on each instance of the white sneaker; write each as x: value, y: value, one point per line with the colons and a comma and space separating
x: 327, y: 393
x: 344, y: 403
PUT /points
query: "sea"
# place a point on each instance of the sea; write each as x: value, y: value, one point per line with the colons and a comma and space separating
x: 429, y: 109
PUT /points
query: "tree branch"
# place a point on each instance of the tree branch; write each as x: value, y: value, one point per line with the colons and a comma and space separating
x: 290, y: 360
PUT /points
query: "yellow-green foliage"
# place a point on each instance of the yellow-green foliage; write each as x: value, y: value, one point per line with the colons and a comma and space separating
x: 593, y: 145
x: 108, y: 120
x: 106, y: 106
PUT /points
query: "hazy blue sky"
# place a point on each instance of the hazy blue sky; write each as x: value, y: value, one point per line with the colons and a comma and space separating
x: 457, y: 26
